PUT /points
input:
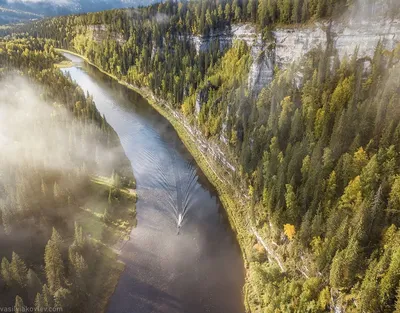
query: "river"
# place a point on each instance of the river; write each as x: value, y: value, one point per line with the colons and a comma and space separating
x: 194, y: 269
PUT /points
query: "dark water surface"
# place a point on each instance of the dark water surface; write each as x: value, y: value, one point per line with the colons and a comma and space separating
x: 198, y: 270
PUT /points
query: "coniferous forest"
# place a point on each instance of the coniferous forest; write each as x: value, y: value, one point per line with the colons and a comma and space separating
x: 317, y: 160
x: 63, y: 186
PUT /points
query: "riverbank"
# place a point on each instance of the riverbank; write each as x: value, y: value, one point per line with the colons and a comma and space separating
x: 107, y: 235
x: 234, y: 205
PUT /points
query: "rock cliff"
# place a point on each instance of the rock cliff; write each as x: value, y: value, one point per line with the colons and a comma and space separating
x: 361, y: 28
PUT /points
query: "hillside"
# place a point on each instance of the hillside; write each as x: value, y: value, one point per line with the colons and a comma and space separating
x: 294, y: 104
x: 17, y: 11
x: 64, y: 202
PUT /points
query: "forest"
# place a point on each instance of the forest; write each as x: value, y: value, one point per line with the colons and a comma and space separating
x: 319, y: 159
x: 66, y: 187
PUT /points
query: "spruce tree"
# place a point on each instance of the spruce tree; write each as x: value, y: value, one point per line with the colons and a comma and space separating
x: 19, y: 305
x: 397, y: 309
x: 57, y: 239
x: 6, y: 271
x: 47, y: 298
x: 78, y: 236
x: 19, y: 270
x: 56, y: 191
x: 39, y: 305
x: 7, y: 220
x: 53, y: 266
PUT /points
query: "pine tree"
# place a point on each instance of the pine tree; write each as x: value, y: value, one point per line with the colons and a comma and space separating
x: 39, y: 305
x: 305, y: 15
x: 252, y: 10
x: 291, y: 202
x: 331, y: 187
x: 285, y: 10
x: 394, y: 197
x: 56, y: 191
x: 43, y: 188
x: 227, y: 11
x: 296, y: 13
x: 7, y: 220
x: 263, y: 13
x: 6, y: 271
x: 345, y: 265
x: 47, y: 298
x: 57, y: 239
x: 272, y: 10
x: 78, y: 270
x: 397, y: 308
x: 19, y: 305
x: 79, y: 240
x: 19, y: 270
x: 370, y: 176
x: 54, y: 266
x: 390, y: 280
x: 352, y: 196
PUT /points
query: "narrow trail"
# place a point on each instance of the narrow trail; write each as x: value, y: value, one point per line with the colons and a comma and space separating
x: 270, y: 252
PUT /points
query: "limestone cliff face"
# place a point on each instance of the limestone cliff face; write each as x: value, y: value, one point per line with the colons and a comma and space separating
x: 357, y: 30
x: 292, y: 43
x: 100, y: 33
x: 360, y: 29
x: 261, y: 71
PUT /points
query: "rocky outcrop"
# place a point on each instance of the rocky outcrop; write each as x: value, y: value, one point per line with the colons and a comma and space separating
x: 365, y: 36
x: 262, y: 67
x: 226, y: 37
x: 292, y: 43
x: 201, y: 98
x: 361, y: 29
x: 100, y: 33
x: 205, y: 146
x: 346, y: 37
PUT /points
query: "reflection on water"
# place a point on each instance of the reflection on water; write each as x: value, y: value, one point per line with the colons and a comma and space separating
x: 199, y: 268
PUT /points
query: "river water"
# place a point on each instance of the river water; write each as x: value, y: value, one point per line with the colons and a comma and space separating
x: 196, y: 269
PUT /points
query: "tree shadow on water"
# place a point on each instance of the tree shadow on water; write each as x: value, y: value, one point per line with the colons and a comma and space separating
x: 141, y: 297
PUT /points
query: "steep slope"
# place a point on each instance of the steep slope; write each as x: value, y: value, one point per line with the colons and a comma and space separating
x: 59, y: 218
x: 14, y: 11
x: 298, y: 130
x: 8, y: 15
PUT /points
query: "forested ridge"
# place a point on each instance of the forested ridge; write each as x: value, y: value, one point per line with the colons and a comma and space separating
x: 319, y: 156
x: 141, y: 42
x: 59, y: 211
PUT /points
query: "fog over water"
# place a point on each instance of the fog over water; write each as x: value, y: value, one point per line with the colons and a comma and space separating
x: 194, y: 268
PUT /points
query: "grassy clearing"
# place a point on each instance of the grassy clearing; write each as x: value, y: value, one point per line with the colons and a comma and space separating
x: 64, y: 64
x: 123, y: 210
x: 107, y: 182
